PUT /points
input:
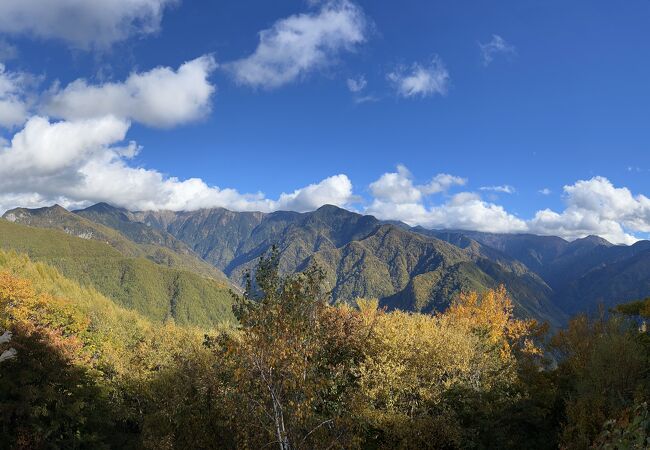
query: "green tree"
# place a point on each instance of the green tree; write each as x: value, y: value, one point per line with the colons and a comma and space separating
x: 292, y: 363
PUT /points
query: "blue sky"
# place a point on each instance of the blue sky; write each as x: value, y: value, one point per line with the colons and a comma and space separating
x: 507, y: 99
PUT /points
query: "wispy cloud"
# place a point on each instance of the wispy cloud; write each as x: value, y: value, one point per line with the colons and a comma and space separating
x: 545, y: 191
x: 503, y: 188
x: 421, y: 80
x: 496, y: 46
x: 356, y: 85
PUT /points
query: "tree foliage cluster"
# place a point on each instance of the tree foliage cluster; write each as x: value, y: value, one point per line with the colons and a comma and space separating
x: 298, y: 372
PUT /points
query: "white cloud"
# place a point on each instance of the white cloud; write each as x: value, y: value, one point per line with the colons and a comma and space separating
x: 161, y: 97
x: 596, y: 206
x: 335, y: 190
x: 86, y: 161
x: 467, y: 211
x: 366, y: 99
x: 299, y: 44
x: 497, y: 45
x: 49, y: 149
x: 82, y: 23
x: 421, y: 80
x: 396, y: 197
x: 398, y: 187
x: 13, y: 101
x: 464, y: 211
x: 356, y: 85
x: 503, y: 188
x: 593, y: 206
x: 545, y: 191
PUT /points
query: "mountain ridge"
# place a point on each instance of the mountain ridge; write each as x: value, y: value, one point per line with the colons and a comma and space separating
x: 405, y: 267
x: 361, y: 255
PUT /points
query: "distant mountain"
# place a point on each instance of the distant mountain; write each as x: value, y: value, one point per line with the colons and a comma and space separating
x: 361, y: 256
x: 159, y: 293
x: 582, y: 274
x: 410, y: 268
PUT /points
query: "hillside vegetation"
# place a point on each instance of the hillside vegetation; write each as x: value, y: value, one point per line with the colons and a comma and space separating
x: 153, y: 245
x: 159, y: 293
x: 78, y: 371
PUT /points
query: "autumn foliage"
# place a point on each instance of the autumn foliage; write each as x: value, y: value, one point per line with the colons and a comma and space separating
x: 298, y: 372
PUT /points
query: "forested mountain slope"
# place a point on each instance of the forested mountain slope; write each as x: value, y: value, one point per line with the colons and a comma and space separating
x: 159, y: 293
x: 361, y: 256
x: 149, y: 243
x: 582, y: 274
x: 414, y: 269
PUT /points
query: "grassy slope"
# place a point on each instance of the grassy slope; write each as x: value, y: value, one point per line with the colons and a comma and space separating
x: 175, y: 255
x: 157, y: 292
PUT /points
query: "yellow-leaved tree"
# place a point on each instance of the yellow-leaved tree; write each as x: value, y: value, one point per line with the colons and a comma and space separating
x: 420, y: 372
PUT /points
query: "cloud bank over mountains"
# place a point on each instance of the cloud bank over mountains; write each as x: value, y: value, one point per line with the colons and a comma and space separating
x: 82, y: 161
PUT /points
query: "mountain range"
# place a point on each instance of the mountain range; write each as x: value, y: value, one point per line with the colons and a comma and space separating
x: 409, y: 268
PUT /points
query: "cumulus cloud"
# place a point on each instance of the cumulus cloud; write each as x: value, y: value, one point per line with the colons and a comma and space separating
x: 593, y: 206
x: 335, y: 190
x: 13, y: 98
x: 497, y: 45
x: 502, y: 188
x: 442, y: 183
x: 48, y: 149
x: 85, y: 161
x: 464, y: 211
x: 398, y: 187
x: 421, y: 80
x: 396, y: 197
x: 161, y: 97
x: 300, y: 44
x: 596, y: 206
x: 82, y: 23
